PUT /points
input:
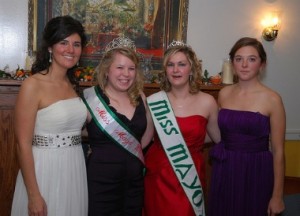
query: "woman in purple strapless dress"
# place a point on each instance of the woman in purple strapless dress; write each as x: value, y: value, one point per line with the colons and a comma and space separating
x: 248, y: 163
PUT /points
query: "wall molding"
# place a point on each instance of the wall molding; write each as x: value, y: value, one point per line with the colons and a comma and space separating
x: 291, y: 185
x: 292, y: 134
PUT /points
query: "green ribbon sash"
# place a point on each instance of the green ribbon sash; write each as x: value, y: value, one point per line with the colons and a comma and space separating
x: 110, y: 124
x: 176, y: 149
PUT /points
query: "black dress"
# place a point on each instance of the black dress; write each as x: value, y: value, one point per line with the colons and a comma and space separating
x: 115, y: 176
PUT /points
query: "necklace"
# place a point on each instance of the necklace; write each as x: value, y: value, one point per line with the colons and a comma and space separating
x: 180, y: 106
x: 178, y: 102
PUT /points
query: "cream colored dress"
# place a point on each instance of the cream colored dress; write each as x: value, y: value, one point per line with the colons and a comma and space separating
x: 59, y: 161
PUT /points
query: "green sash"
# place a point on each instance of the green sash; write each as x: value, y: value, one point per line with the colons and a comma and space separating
x: 176, y: 149
x: 110, y: 124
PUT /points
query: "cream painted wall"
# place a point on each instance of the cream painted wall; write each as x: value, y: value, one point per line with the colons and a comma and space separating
x: 213, y: 27
x: 13, y: 33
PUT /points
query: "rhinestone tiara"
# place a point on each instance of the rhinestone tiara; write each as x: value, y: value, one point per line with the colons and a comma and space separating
x: 176, y: 44
x: 120, y: 42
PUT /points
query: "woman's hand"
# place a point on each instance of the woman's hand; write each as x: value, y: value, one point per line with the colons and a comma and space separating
x: 276, y: 206
x: 37, y: 206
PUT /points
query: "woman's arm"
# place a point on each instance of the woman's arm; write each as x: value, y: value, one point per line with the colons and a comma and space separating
x: 278, y: 124
x: 25, y: 115
x: 148, y: 134
x: 84, y: 131
x: 212, y: 125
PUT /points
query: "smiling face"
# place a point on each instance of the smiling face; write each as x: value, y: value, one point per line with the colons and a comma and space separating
x: 66, y: 53
x: 178, y: 69
x: 247, y: 63
x: 121, y: 74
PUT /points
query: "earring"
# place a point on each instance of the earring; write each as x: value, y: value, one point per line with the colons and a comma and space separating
x: 77, y: 64
x: 190, y: 77
x: 50, y: 58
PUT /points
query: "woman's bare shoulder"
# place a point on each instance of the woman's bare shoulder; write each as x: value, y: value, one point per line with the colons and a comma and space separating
x: 206, y: 98
x: 30, y: 83
x: 227, y: 89
x: 271, y: 96
x: 33, y: 86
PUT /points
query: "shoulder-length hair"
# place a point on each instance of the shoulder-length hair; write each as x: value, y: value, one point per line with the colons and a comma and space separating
x: 196, y: 68
x: 103, y: 68
x: 248, y: 41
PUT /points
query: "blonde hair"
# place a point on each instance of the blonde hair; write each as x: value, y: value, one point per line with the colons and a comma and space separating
x: 103, y: 68
x: 196, y: 70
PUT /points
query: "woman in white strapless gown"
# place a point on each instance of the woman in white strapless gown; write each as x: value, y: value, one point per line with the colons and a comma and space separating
x: 59, y: 160
x: 49, y: 117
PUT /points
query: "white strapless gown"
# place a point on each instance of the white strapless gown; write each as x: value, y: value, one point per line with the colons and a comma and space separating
x: 59, y: 161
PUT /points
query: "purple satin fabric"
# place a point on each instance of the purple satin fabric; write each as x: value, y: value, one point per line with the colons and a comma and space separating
x: 242, y: 170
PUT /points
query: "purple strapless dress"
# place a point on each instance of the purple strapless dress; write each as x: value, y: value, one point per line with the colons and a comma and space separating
x: 242, y: 169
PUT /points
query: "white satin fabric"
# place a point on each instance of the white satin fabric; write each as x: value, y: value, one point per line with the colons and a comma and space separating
x: 60, y: 171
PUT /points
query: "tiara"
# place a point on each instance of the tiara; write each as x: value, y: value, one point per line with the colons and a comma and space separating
x: 120, y: 42
x: 176, y: 44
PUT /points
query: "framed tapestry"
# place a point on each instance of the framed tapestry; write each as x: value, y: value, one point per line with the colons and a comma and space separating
x: 152, y: 24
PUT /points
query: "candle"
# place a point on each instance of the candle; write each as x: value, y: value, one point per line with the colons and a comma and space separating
x: 29, y: 60
x: 227, y: 74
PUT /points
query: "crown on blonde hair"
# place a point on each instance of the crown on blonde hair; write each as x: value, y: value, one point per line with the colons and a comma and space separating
x: 176, y: 44
x: 120, y: 42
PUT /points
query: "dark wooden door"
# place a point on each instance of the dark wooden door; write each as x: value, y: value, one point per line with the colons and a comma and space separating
x: 8, y: 158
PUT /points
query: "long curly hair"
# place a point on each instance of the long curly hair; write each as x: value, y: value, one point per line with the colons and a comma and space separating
x: 56, y: 30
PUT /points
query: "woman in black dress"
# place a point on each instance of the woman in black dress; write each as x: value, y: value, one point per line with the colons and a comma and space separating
x: 118, y: 127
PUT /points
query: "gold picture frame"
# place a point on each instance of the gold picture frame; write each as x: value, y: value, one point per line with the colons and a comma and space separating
x: 32, y: 25
x: 171, y: 22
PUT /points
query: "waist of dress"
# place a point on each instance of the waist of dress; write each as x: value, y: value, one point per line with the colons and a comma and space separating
x: 247, y: 147
x: 56, y: 140
x: 245, y: 143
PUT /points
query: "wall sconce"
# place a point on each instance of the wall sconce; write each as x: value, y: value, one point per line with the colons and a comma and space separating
x: 271, y: 24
